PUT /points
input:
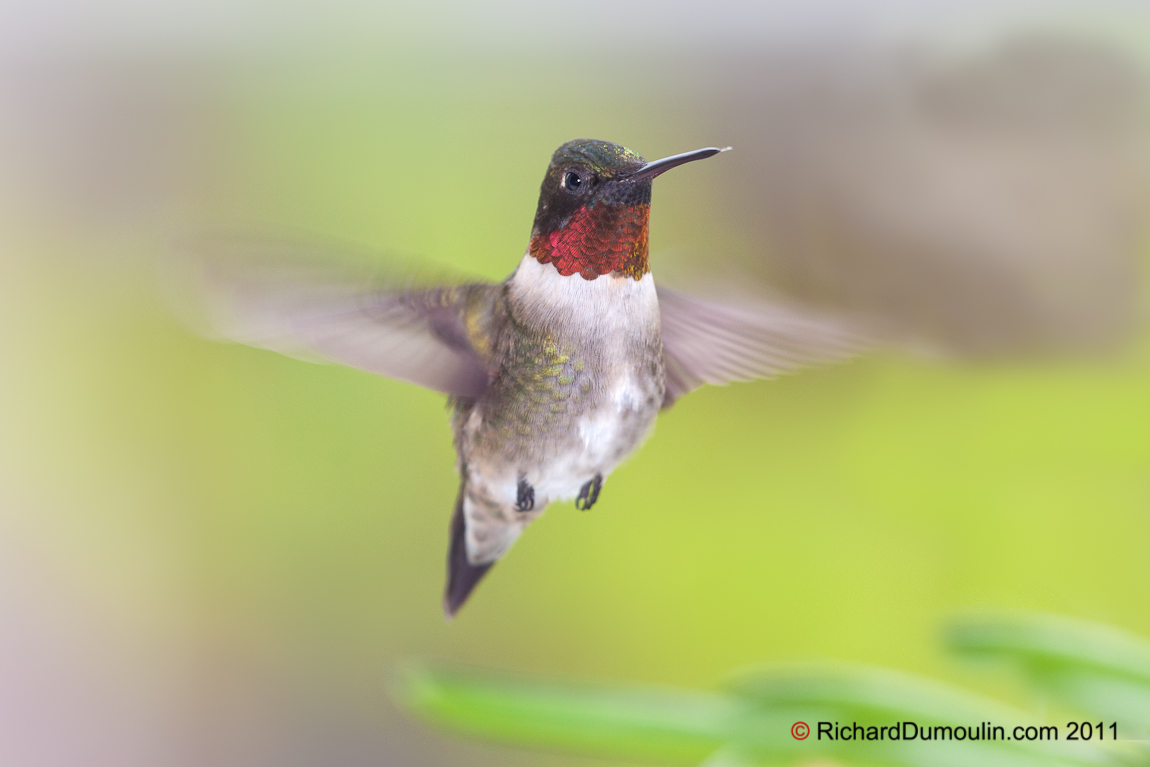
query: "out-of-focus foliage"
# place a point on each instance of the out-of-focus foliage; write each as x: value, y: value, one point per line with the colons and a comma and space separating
x: 1086, y: 668
x: 211, y: 554
x: 677, y: 726
x: 1095, y: 669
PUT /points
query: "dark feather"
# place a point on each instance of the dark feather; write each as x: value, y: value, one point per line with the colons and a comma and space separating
x: 462, y: 576
x: 712, y: 343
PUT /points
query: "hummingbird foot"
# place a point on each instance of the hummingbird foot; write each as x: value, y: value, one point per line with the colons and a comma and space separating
x: 589, y: 493
x: 526, y: 496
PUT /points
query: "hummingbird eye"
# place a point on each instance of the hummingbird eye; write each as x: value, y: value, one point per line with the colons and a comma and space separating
x: 572, y: 181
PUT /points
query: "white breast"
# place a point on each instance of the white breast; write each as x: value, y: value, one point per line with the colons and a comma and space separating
x: 615, y: 314
x: 612, y: 307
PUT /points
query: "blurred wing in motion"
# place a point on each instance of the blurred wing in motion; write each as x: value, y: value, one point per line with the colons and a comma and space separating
x: 710, y: 343
x: 281, y: 296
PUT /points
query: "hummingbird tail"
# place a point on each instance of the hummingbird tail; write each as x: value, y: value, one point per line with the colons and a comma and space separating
x: 462, y: 576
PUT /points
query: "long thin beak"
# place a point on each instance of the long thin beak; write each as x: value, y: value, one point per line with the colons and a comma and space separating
x: 652, y: 169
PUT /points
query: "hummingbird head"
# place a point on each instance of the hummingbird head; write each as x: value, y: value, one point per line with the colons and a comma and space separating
x: 594, y: 206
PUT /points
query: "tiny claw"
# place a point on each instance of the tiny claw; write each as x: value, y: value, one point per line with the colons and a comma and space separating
x: 589, y: 493
x: 526, y: 496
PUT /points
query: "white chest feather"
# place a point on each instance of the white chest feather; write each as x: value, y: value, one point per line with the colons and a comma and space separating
x: 613, y: 308
x: 611, y: 325
x: 615, y: 314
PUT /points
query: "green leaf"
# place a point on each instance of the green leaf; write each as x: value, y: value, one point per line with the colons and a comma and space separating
x: 750, y: 724
x: 865, y: 691
x: 873, y: 698
x: 664, y: 725
x: 1088, y: 667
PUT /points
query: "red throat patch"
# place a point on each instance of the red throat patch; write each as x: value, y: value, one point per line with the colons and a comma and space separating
x: 597, y: 240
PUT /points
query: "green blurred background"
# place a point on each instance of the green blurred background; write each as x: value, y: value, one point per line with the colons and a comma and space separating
x: 215, y: 555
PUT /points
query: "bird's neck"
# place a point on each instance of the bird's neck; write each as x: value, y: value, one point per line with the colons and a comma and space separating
x: 598, y: 239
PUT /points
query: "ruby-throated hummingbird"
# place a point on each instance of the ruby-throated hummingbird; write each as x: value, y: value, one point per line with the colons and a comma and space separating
x: 557, y: 373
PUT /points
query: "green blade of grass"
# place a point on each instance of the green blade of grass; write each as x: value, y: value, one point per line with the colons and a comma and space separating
x: 874, y: 698
x: 661, y: 725
x: 1095, y: 669
x: 1044, y: 642
x: 749, y: 725
x: 868, y: 692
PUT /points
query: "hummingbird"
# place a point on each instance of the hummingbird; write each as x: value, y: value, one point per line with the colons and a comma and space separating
x: 554, y: 375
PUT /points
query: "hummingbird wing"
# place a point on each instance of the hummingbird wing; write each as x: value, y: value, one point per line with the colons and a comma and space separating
x: 282, y: 296
x: 710, y: 343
